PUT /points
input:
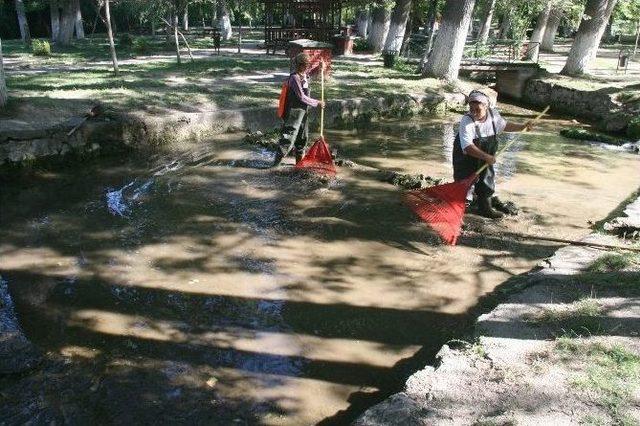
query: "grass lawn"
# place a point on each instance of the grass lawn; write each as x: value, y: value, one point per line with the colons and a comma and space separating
x: 155, y: 83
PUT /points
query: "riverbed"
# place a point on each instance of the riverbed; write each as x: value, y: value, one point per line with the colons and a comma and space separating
x: 200, y: 286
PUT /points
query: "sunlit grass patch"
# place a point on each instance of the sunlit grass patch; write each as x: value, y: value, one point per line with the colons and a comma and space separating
x: 609, y: 377
x: 612, y: 262
x: 580, y: 318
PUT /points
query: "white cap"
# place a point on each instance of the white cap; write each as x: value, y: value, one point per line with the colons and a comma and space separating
x: 478, y: 96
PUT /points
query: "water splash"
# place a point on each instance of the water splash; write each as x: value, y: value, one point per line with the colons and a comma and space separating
x: 120, y: 201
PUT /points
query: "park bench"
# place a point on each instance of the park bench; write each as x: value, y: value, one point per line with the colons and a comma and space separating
x: 276, y: 44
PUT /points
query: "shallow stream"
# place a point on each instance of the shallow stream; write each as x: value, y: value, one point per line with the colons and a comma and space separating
x: 199, y: 287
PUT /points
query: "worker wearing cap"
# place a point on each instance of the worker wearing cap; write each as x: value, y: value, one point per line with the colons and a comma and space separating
x: 476, y: 144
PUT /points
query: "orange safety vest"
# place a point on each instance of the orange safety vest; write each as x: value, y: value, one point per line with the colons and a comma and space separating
x: 282, y: 101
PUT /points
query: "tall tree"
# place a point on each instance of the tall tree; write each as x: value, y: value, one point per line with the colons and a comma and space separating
x: 538, y: 31
x: 549, y: 37
x: 224, y: 20
x: 79, y: 24
x: 362, y: 22
x: 483, y: 36
x: 585, y: 45
x: 22, y: 22
x: 3, y: 85
x: 106, y: 19
x: 380, y: 22
x: 505, y: 23
x: 185, y: 17
x: 54, y: 13
x: 432, y: 14
x: 175, y: 36
x: 63, y: 20
x: 635, y: 46
x: 444, y: 61
x: 398, y: 25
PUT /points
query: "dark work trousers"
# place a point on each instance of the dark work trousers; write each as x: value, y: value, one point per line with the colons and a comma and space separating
x: 295, y: 131
x: 465, y: 165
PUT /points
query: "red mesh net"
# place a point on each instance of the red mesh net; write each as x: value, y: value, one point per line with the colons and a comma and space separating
x: 318, y: 159
x: 442, y: 207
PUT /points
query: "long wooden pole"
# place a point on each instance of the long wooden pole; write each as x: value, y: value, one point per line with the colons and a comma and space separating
x: 575, y: 242
x: 508, y: 144
x: 322, y: 99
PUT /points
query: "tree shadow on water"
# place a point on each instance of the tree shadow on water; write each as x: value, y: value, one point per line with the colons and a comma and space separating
x: 158, y: 350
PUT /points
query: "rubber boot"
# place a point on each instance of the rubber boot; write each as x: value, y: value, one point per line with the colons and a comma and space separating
x: 507, y: 208
x: 485, y: 209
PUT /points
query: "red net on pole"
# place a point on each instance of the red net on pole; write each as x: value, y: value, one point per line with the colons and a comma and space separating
x: 442, y: 207
x: 318, y: 159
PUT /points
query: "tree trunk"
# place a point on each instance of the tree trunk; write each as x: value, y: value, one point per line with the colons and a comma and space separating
x: 585, y: 45
x: 78, y: 23
x: 22, y: 22
x: 444, y: 61
x: 67, y: 22
x: 635, y: 46
x: 398, y: 25
x: 381, y: 19
x: 185, y: 17
x: 549, y: 37
x: 483, y: 37
x: 112, y: 46
x: 175, y: 37
x: 54, y: 12
x: 362, y: 22
x: 224, y: 21
x: 239, y: 28
x: 431, y: 24
x: 3, y: 85
x: 606, y: 37
x: 505, y: 24
x: 168, y: 31
x: 538, y: 32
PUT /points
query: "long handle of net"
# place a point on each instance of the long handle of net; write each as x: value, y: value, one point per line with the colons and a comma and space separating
x: 512, y: 141
x: 322, y: 98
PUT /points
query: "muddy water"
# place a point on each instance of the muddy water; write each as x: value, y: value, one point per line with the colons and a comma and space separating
x: 201, y: 287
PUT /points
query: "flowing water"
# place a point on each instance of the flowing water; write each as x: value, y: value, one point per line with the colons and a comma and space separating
x: 200, y: 287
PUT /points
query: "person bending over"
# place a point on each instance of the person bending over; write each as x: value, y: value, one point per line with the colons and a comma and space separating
x: 475, y: 144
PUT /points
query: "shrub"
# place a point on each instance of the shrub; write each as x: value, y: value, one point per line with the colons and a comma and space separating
x: 41, y: 48
x: 125, y: 40
x: 477, y: 50
x: 633, y: 129
x: 360, y: 45
x: 404, y: 66
x: 140, y: 45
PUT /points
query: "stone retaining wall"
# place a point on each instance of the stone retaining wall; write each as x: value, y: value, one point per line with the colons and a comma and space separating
x: 140, y: 129
x: 596, y: 105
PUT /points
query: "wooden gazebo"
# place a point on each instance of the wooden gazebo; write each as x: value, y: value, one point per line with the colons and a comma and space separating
x: 287, y: 20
